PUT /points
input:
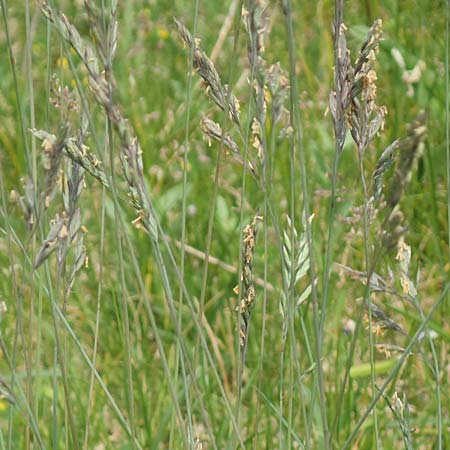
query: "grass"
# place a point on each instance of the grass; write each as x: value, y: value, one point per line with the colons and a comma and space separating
x: 204, y: 248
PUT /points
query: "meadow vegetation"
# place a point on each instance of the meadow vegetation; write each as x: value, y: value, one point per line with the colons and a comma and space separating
x: 224, y: 225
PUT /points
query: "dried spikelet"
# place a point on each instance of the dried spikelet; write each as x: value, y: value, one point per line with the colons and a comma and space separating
x: 62, y: 97
x: 63, y: 228
x: 105, y: 38
x: 401, y: 411
x: 352, y: 103
x: 248, y: 293
x: 213, y: 131
x: 364, y: 73
x: 383, y: 322
x: 388, y: 349
x: 27, y: 203
x: 80, y: 154
x: 394, y: 229
x: 339, y: 99
x: 74, y: 186
x: 384, y: 163
x: 52, y: 147
x: 409, y: 150
x: 369, y: 50
x: 131, y: 152
x: 257, y: 141
x: 6, y: 393
x: 66, y: 228
x: 97, y: 82
x: 365, y: 118
x: 225, y: 100
x: 84, y: 51
x: 198, y: 445
x: 404, y: 259
x: 56, y: 235
x: 377, y: 282
x: 278, y: 85
x: 76, y: 232
x: 255, y: 23
x: 261, y: 95
x: 97, y: 30
x: 77, y: 152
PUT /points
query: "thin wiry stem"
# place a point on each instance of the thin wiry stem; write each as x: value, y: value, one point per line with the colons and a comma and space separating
x: 108, y: 54
x: 295, y: 114
x: 396, y: 368
x: 31, y: 416
x: 29, y: 163
x: 132, y: 156
x: 10, y: 243
x: 447, y: 117
x: 97, y: 321
x: 339, y: 143
x: 97, y: 315
x: 178, y: 358
x: 226, y: 101
x: 437, y: 375
x: 263, y: 325
x: 447, y: 148
x: 242, y: 348
x: 123, y: 297
x: 124, y: 131
x: 366, y: 256
x: 72, y: 334
x: 29, y: 70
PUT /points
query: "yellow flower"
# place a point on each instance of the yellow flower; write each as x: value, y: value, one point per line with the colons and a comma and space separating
x: 163, y: 33
x: 62, y: 62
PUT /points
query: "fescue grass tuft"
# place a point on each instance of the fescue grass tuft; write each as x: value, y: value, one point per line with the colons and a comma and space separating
x: 223, y: 225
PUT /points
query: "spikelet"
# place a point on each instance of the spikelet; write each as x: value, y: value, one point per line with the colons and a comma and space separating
x: 248, y: 294
x: 214, y: 87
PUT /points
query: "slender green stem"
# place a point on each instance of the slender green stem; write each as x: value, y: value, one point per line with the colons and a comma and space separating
x: 97, y: 322
x: 295, y: 114
x: 447, y: 119
x: 396, y: 368
x: 369, y: 308
x: 29, y: 71
x: 183, y: 230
